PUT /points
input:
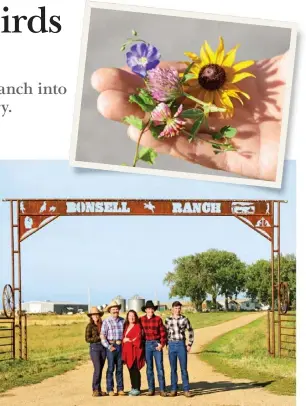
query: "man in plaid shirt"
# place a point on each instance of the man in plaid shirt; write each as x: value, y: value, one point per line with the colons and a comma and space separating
x: 111, y: 338
x: 176, y: 326
x: 155, y: 336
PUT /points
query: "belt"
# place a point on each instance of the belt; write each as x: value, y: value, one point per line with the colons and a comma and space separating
x: 118, y: 342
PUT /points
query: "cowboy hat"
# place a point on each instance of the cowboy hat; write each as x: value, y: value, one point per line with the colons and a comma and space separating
x: 95, y: 310
x: 149, y: 304
x: 113, y: 303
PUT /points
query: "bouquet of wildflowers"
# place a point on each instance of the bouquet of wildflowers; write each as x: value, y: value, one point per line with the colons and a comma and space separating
x: 180, y: 103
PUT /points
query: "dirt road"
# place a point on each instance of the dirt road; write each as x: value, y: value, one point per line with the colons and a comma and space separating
x: 209, y: 387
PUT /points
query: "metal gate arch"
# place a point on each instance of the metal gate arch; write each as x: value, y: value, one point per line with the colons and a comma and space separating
x: 28, y: 216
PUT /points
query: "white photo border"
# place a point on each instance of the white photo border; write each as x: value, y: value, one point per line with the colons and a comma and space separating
x: 187, y: 14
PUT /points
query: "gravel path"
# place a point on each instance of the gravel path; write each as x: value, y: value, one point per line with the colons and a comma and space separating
x: 209, y: 387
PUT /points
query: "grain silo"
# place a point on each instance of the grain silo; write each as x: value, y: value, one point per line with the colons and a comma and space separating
x: 120, y: 300
x: 135, y: 303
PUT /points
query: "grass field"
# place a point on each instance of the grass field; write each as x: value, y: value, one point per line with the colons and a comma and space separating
x: 56, y: 345
x: 242, y: 353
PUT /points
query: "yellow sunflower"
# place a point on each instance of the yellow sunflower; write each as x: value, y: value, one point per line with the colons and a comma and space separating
x: 216, y: 75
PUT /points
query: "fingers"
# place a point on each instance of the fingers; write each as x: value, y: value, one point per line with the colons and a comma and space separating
x: 123, y: 79
x: 199, y: 151
x: 147, y: 140
x: 115, y: 79
x: 115, y: 105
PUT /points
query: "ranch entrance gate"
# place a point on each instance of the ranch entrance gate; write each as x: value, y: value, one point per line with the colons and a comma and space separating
x: 28, y: 216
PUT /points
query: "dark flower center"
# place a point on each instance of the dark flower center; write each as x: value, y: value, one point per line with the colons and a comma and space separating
x: 212, y: 77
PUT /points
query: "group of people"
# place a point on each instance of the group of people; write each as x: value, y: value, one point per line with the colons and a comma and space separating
x: 136, y: 341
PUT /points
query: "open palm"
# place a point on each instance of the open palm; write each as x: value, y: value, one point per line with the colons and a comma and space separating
x: 258, y: 121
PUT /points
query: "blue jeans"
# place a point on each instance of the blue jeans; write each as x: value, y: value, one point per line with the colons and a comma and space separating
x: 97, y: 355
x: 151, y: 352
x: 178, y: 350
x: 114, y: 361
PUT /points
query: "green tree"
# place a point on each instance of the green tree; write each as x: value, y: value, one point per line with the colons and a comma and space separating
x: 226, y: 274
x: 188, y: 279
x: 258, y: 278
x: 215, y: 272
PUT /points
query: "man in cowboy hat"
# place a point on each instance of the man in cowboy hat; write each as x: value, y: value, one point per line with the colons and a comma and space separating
x: 111, y: 337
x: 155, y: 336
x: 176, y: 326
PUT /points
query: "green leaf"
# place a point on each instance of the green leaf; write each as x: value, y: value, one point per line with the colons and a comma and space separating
x: 186, y: 72
x: 195, y: 127
x: 147, y: 155
x: 156, y: 130
x: 217, y: 135
x: 188, y: 77
x: 228, y: 131
x: 217, y: 146
x: 134, y: 121
x: 146, y: 97
x: 192, y: 113
x: 134, y: 33
x: 218, y: 152
x: 123, y: 47
x: 135, y: 98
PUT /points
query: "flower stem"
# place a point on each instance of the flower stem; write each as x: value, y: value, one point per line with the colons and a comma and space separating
x: 136, y: 159
x: 194, y: 99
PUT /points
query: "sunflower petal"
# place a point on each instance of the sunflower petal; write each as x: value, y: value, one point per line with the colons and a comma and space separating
x: 204, y: 56
x: 232, y: 93
x: 242, y: 75
x: 217, y: 99
x: 220, y: 52
x: 208, y: 97
x: 235, y: 88
x: 226, y: 101
x: 229, y: 58
x: 242, y: 65
x: 210, y: 52
x: 194, y: 57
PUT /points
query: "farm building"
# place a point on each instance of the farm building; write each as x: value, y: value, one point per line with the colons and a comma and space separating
x: 240, y: 304
x: 53, y: 307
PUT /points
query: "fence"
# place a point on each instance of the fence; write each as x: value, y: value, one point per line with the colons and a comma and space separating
x: 7, y: 342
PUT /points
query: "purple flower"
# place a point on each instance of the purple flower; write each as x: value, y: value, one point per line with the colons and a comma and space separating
x: 164, y: 84
x: 173, y: 124
x: 142, y: 57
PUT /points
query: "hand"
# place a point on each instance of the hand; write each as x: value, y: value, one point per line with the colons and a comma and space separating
x: 126, y: 340
x: 258, y: 122
x: 188, y: 348
x: 112, y: 348
x: 159, y: 347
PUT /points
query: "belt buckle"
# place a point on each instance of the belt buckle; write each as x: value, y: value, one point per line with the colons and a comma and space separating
x: 118, y: 342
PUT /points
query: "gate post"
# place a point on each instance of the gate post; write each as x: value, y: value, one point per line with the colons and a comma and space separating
x: 278, y: 279
x: 272, y: 283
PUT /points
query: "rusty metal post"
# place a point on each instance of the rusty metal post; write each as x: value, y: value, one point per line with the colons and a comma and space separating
x: 272, y: 283
x: 19, y: 284
x: 13, y: 276
x: 278, y: 280
x: 268, y: 335
x: 25, y: 337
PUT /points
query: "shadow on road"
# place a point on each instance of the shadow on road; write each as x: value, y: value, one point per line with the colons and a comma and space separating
x: 206, y: 388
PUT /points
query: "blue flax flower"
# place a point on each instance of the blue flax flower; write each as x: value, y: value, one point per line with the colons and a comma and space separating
x: 142, y: 57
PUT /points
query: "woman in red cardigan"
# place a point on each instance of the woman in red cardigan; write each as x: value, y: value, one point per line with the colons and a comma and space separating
x: 132, y: 350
